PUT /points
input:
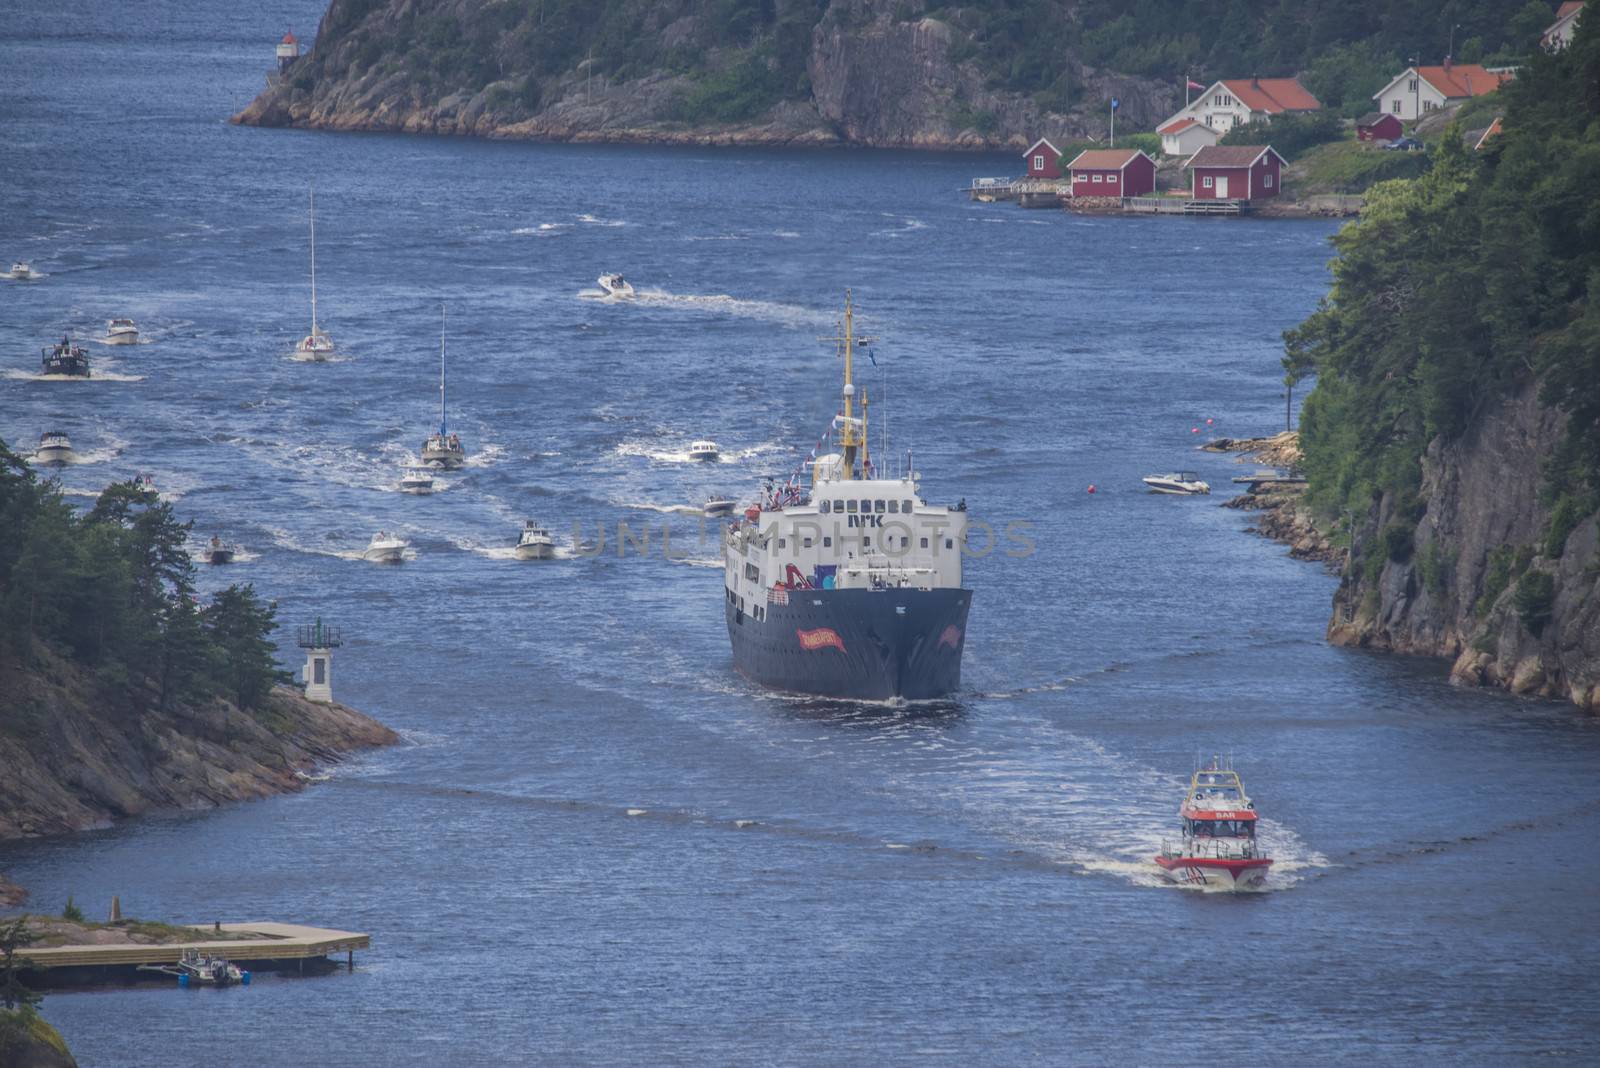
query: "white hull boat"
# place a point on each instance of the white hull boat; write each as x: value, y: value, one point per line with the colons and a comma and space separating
x: 54, y: 448
x: 385, y: 548
x: 704, y: 450
x: 316, y: 346
x: 443, y: 447
x: 20, y: 272
x: 417, y: 480
x: 719, y: 506
x: 1219, y: 848
x: 1180, y: 483
x: 614, y: 285
x: 218, y: 552
x: 535, y: 543
x: 122, y: 332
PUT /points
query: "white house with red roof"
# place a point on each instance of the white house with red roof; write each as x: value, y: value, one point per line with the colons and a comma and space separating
x: 1234, y: 101
x: 1416, y: 91
x: 1559, y: 33
x: 1185, y: 136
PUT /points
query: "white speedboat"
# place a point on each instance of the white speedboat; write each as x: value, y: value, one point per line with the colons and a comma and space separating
x: 122, y: 332
x: 418, y: 480
x: 1179, y: 482
x: 719, y: 506
x: 145, y: 482
x: 614, y: 285
x: 703, y: 450
x: 535, y: 543
x: 20, y: 272
x: 218, y: 552
x: 385, y: 548
x: 315, y: 346
x: 54, y: 448
x: 443, y: 448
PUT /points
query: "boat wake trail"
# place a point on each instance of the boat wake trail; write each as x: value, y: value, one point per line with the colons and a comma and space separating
x: 98, y: 376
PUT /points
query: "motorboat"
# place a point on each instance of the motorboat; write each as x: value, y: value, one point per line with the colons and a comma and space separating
x: 1179, y: 482
x: 703, y: 450
x: 145, y: 482
x: 614, y: 285
x: 385, y: 548
x: 417, y: 479
x: 65, y: 358
x: 535, y: 543
x: 195, y: 968
x: 122, y: 332
x: 315, y: 346
x: 54, y: 448
x: 443, y: 447
x: 20, y: 272
x: 217, y: 552
x: 1218, y: 847
x: 719, y: 506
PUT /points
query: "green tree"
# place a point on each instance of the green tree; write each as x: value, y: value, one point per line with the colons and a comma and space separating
x: 239, y: 625
x: 14, y: 994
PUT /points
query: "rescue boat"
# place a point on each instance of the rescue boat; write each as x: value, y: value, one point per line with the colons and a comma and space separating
x: 1218, y: 847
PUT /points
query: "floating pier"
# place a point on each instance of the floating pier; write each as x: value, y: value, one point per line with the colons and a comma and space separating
x: 274, y: 945
x: 1180, y: 206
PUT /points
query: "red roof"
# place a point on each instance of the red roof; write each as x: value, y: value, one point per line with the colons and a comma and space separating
x: 1045, y: 141
x: 1568, y: 8
x: 1462, y: 79
x: 288, y: 38
x: 1177, y: 127
x: 1103, y: 159
x: 1273, y: 95
x: 1230, y: 156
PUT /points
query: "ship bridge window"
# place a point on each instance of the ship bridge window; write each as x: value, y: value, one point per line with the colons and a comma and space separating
x: 905, y: 506
x: 866, y: 506
x: 827, y: 542
x: 880, y: 506
x: 849, y: 506
x: 826, y: 507
x: 894, y: 506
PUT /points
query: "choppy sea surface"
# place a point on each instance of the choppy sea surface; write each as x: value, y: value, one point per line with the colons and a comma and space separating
x: 802, y: 882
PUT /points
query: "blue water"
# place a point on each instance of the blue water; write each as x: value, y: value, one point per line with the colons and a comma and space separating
x: 965, y: 882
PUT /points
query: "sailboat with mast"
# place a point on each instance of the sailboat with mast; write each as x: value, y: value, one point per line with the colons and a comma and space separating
x: 315, y: 346
x: 443, y: 447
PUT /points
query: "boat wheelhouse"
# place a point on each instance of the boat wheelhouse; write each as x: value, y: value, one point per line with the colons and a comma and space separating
x: 703, y: 450
x: 535, y: 542
x: 1218, y: 847
x: 851, y: 587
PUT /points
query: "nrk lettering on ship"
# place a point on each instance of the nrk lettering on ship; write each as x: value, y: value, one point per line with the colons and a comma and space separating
x: 820, y: 638
x: 950, y: 637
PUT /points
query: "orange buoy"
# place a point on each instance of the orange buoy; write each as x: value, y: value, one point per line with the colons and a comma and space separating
x: 1091, y: 487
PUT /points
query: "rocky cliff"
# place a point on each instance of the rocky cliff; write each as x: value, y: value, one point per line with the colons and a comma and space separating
x: 887, y: 73
x: 1483, y: 576
x: 73, y: 759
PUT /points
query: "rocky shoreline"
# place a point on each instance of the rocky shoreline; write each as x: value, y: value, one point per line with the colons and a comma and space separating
x: 1281, y: 511
x: 79, y: 762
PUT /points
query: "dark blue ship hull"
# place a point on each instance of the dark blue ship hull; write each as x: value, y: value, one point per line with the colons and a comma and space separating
x: 860, y: 644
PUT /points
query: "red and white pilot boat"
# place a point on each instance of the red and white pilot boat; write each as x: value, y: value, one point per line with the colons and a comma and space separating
x: 1218, y: 848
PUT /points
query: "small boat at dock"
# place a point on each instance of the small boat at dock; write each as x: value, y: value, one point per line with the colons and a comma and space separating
x: 201, y: 969
x: 54, y: 448
x: 1218, y: 847
x: 1178, y: 483
x: 535, y: 543
x: 122, y: 332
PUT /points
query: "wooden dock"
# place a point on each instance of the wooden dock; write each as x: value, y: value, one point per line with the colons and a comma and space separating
x: 1180, y: 206
x: 281, y: 942
x: 990, y: 190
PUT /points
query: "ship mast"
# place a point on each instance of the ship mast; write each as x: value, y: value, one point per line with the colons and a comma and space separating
x: 852, y: 435
x: 313, y: 261
x: 443, y: 432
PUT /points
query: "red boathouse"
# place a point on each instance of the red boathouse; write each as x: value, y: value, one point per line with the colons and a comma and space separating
x: 1043, y: 160
x: 1235, y: 172
x: 1379, y: 126
x: 1112, y: 172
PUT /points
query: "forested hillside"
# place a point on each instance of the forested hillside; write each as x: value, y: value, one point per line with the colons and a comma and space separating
x: 1455, y: 424
x: 868, y: 71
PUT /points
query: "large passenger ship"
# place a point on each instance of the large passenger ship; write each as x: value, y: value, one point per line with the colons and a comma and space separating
x: 849, y: 587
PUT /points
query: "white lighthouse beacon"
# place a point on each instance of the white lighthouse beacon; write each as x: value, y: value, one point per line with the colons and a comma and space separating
x: 288, y: 51
x: 319, y: 641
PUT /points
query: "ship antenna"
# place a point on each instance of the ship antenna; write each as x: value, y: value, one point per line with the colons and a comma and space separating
x: 442, y: 431
x: 849, y: 439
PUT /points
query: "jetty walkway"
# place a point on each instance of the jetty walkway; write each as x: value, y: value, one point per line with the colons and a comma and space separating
x: 278, y: 942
